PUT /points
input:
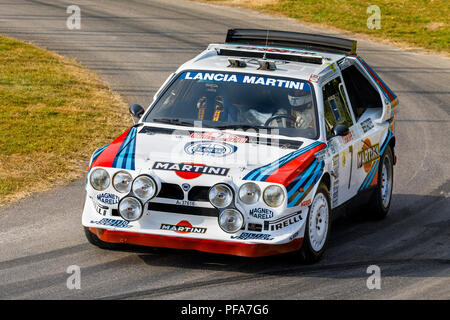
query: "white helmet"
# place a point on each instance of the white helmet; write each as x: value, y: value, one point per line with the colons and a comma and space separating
x: 299, y: 98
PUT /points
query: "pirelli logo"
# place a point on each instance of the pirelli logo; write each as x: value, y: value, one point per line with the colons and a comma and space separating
x: 367, y: 155
x: 193, y: 168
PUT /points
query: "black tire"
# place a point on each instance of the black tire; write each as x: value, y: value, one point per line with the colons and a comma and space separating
x: 307, y: 253
x: 376, y: 208
x: 93, y: 239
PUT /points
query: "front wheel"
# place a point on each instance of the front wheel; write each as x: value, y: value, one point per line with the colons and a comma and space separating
x: 317, y: 226
x: 93, y: 239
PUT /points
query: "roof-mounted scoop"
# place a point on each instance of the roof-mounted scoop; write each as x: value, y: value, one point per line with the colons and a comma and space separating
x: 291, y: 40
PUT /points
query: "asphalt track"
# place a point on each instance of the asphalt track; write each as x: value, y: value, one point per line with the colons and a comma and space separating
x: 134, y: 45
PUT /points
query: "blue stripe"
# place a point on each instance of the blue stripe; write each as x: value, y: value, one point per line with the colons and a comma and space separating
x: 120, y: 158
x: 317, y: 173
x: 262, y: 173
x: 370, y: 175
x: 304, y: 176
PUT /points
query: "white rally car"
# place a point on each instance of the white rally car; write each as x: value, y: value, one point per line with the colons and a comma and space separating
x: 251, y: 149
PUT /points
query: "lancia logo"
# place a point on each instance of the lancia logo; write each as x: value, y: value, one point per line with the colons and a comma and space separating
x: 186, y: 186
x: 209, y: 148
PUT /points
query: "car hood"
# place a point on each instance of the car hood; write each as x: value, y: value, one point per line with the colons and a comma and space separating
x: 191, y: 152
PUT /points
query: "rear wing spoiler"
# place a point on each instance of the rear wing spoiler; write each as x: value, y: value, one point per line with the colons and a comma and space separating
x: 291, y: 40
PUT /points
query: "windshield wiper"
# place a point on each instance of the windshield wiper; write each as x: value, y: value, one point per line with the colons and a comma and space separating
x: 175, y: 121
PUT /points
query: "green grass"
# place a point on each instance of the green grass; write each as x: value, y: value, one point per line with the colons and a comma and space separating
x: 424, y: 23
x: 53, y: 114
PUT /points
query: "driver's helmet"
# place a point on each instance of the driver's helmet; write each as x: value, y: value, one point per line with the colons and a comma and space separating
x: 300, y: 99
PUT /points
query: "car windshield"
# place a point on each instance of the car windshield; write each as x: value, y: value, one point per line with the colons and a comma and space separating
x: 238, y: 101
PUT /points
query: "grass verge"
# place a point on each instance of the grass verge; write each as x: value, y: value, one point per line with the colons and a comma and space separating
x: 424, y: 24
x: 53, y: 114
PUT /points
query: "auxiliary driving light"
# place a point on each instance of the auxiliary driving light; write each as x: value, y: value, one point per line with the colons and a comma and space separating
x: 231, y: 220
x: 220, y: 195
x: 130, y: 208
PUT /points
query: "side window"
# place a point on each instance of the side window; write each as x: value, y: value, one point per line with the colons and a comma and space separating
x: 335, y: 105
x: 360, y: 91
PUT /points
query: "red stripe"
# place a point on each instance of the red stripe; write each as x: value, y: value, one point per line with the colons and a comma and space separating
x: 285, y: 174
x: 205, y: 245
x: 106, y: 158
x: 376, y: 79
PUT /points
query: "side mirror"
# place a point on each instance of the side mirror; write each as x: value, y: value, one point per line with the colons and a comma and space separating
x: 136, y: 112
x: 340, y: 130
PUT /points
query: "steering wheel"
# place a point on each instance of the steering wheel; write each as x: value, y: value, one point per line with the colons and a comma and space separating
x: 279, y: 116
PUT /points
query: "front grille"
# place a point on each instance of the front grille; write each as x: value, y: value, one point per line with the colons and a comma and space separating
x: 174, y: 208
x: 171, y: 191
x: 199, y: 193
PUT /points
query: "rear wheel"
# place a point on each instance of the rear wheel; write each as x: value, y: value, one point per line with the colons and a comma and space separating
x: 317, y: 226
x: 381, y: 199
x: 93, y: 239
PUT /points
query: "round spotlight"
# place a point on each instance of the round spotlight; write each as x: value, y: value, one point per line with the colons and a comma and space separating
x: 220, y: 195
x: 231, y: 220
x: 130, y: 208
x: 99, y: 179
x: 144, y: 188
x: 122, y: 181
x: 249, y: 193
x: 273, y: 196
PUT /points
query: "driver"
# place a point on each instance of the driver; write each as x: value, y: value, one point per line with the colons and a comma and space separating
x: 300, y: 108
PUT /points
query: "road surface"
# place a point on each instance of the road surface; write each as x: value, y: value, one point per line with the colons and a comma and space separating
x: 134, y: 45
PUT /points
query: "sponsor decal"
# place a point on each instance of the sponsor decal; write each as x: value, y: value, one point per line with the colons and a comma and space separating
x: 254, y: 227
x: 108, y: 198
x: 314, y: 78
x: 219, y: 136
x: 209, y: 148
x: 367, y: 155
x: 248, y: 79
x: 261, y: 213
x: 282, y: 222
x: 252, y: 236
x: 186, y: 186
x: 306, y: 203
x: 295, y: 235
x: 335, y: 185
x: 113, y: 223
x: 348, y: 138
x: 366, y: 125
x: 182, y: 227
x: 190, y: 170
x: 103, y: 210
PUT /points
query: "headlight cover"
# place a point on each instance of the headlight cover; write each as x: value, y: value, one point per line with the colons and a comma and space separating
x: 231, y: 220
x: 220, y: 195
x: 273, y: 196
x: 144, y: 187
x: 249, y: 193
x: 99, y: 179
x: 130, y: 208
x: 122, y: 181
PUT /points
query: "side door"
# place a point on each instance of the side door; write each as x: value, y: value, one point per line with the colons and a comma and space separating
x: 367, y: 106
x: 336, y: 111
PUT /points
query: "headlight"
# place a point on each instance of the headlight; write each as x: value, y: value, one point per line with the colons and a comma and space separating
x: 231, y: 220
x: 249, y: 193
x: 122, y: 181
x: 220, y: 196
x: 273, y: 196
x: 130, y: 208
x: 99, y: 179
x: 144, y: 187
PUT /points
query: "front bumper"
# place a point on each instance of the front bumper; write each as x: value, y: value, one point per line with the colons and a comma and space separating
x: 205, y: 245
x: 279, y: 235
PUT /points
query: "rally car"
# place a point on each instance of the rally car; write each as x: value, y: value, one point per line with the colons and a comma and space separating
x: 251, y: 148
